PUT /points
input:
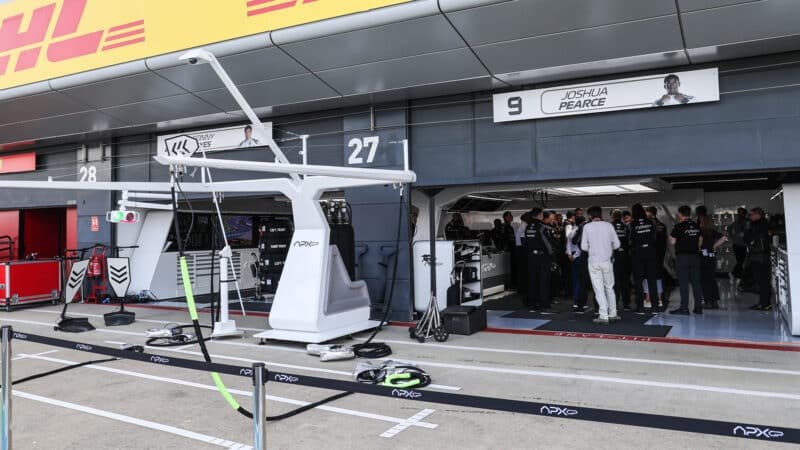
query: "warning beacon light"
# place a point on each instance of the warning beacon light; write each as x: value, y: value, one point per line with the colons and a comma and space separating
x: 122, y: 216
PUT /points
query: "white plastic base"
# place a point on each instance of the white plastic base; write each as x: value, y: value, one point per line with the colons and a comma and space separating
x: 316, y: 337
x: 226, y: 329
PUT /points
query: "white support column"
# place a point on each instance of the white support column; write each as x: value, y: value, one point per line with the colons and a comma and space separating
x: 791, y: 206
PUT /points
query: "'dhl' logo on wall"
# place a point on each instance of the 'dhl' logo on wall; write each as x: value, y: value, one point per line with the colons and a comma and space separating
x: 258, y: 7
x: 64, y: 43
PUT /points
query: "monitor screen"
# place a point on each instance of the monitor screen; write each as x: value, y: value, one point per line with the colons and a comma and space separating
x: 239, y: 230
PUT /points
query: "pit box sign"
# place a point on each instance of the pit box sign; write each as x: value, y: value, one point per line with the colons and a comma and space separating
x: 652, y: 91
x: 213, y: 140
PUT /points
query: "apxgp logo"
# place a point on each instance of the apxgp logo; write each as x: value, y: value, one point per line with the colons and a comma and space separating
x: 557, y: 411
x: 20, y: 336
x: 748, y: 431
x: 64, y: 42
x: 285, y: 378
x: 246, y: 372
x: 405, y: 393
x: 84, y: 347
x: 305, y: 244
x: 159, y: 359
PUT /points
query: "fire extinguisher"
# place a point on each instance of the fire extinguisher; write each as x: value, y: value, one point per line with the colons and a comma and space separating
x: 95, y: 267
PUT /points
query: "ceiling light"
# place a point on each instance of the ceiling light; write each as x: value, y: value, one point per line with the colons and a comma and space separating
x: 734, y: 180
x: 636, y: 188
x: 486, y: 197
x: 601, y: 189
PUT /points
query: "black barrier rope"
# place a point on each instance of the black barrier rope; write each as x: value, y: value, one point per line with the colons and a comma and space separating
x: 674, y: 423
x: 61, y: 369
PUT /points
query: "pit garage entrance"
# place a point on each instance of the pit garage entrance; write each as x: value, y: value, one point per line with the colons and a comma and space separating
x: 487, y: 275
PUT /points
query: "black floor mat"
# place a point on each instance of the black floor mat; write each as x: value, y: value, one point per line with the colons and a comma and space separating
x: 631, y: 325
x: 552, y: 314
x: 510, y: 302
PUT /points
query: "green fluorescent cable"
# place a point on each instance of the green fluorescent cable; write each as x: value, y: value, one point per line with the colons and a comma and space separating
x: 187, y: 287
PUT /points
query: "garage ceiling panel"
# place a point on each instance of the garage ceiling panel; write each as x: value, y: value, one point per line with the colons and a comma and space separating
x: 743, y: 22
x: 396, y: 40
x: 78, y: 123
x: 595, y: 44
x: 248, y: 67
x: 120, y: 91
x: 525, y: 18
x: 405, y: 72
x: 296, y: 89
x: 161, y: 110
x: 595, y: 68
x: 37, y: 106
x: 696, y: 5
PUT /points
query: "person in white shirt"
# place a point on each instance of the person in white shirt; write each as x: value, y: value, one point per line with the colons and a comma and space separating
x: 600, y: 240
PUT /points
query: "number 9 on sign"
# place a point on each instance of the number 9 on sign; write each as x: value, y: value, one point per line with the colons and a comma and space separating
x: 514, y: 106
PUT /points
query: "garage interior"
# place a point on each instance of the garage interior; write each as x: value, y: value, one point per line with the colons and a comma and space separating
x: 721, y: 193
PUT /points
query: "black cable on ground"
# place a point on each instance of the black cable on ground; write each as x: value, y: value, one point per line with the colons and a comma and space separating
x: 62, y: 369
x: 310, y: 406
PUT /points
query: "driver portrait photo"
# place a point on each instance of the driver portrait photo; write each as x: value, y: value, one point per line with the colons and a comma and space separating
x: 248, y: 141
x: 672, y: 85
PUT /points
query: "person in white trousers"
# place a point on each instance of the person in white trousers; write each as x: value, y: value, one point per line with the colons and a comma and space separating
x: 600, y: 240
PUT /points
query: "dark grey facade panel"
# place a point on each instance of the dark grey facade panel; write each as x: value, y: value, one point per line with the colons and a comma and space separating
x: 132, y: 158
x: 59, y: 163
x: 753, y: 127
x: 377, y: 210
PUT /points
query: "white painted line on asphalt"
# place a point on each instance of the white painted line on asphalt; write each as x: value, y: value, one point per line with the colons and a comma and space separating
x: 597, y: 357
x: 273, y: 364
x: 560, y: 375
x: 163, y: 322
x: 395, y: 430
x: 629, y: 381
x: 134, y: 421
x: 23, y: 356
x: 101, y: 330
x: 145, y: 376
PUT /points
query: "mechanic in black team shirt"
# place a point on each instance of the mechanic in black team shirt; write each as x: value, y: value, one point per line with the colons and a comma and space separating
x: 757, y: 235
x: 539, y: 244
x: 686, y: 238
x: 645, y: 257
x: 622, y: 261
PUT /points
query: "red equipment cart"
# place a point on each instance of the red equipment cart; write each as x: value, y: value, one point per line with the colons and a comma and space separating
x: 26, y: 282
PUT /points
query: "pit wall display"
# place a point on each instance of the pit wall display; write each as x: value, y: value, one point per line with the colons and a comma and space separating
x: 45, y: 39
x: 652, y: 91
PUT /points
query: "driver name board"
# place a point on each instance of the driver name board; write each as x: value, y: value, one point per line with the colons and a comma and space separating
x: 652, y: 91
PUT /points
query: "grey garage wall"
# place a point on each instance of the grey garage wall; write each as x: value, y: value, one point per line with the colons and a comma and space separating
x: 756, y: 125
x: 61, y: 163
x: 379, y: 211
x: 57, y: 162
